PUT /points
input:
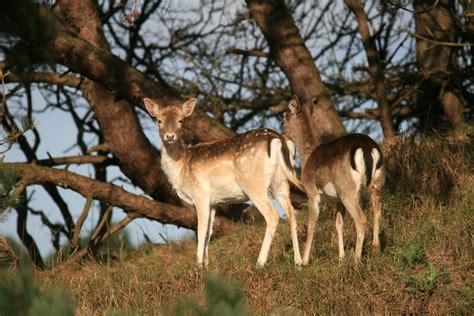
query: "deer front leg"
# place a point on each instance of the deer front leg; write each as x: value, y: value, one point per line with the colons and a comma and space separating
x: 313, y: 218
x: 203, y: 230
x: 271, y: 218
x: 282, y: 195
x: 206, y: 246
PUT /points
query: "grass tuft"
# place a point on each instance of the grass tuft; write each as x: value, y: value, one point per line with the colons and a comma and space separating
x: 221, y: 298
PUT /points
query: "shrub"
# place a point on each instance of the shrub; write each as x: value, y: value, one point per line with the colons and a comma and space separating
x: 19, y: 295
x: 222, y: 298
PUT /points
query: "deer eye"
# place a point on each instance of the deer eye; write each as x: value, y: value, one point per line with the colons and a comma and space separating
x: 180, y: 121
x: 159, y: 121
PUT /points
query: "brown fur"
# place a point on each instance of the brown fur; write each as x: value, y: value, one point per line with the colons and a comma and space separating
x: 337, y: 168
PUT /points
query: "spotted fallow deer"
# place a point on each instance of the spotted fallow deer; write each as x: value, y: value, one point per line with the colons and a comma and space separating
x: 247, y: 166
x: 340, y: 169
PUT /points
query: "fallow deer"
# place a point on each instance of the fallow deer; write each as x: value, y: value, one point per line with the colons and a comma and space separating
x: 246, y: 166
x: 339, y: 168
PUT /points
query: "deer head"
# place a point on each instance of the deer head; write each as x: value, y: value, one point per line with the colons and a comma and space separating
x: 170, y: 119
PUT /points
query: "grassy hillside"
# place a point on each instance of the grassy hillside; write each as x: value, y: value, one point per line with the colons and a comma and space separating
x: 426, y: 264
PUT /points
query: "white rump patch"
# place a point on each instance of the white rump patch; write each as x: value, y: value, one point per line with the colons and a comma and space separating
x: 292, y: 150
x: 359, y: 174
x: 275, y: 150
x: 317, y: 200
x: 375, y: 158
x: 330, y: 190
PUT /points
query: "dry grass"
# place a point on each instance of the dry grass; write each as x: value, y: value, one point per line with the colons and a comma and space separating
x: 426, y: 264
x: 9, y: 261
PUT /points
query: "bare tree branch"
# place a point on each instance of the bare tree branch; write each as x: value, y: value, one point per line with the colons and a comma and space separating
x: 80, y: 222
x: 253, y: 52
x: 46, y: 77
x: 113, y: 195
x: 76, y: 160
x: 375, y: 67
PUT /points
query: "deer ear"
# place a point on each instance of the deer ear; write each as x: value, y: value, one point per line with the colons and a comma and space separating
x: 188, y: 106
x: 314, y: 104
x: 152, y: 107
x: 294, y: 106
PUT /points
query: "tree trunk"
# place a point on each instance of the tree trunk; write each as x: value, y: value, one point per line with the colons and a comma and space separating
x: 439, y: 103
x: 288, y: 49
x: 375, y: 68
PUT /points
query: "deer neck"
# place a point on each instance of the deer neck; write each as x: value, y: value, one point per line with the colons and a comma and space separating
x: 304, y: 135
x: 173, y: 151
x: 306, y: 147
x: 172, y: 161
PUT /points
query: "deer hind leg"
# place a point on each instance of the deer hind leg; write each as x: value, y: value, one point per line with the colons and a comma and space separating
x: 259, y: 196
x: 375, y: 192
x: 203, y: 230
x: 340, y: 229
x: 281, y: 192
x: 352, y: 205
x: 313, y: 202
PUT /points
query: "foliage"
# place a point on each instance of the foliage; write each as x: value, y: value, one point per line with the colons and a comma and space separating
x: 430, y: 167
x: 19, y: 295
x: 9, y: 260
x: 8, y: 181
x: 222, y: 298
x: 426, y: 282
x: 413, y: 255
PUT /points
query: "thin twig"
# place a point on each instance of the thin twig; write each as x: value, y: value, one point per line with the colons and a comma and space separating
x: 412, y: 11
x: 80, y: 222
x: 4, y: 95
x: 101, y: 224
x: 437, y: 42
x: 124, y: 222
x: 99, y: 147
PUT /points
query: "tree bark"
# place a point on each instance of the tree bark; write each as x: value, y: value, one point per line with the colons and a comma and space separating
x: 375, y: 68
x: 439, y: 102
x: 288, y: 49
x: 31, y: 174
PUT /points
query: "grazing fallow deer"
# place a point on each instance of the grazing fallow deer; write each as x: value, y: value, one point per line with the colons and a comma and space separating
x: 339, y: 168
x: 246, y: 166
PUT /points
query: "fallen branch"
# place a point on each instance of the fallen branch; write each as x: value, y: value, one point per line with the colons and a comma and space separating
x: 113, y: 195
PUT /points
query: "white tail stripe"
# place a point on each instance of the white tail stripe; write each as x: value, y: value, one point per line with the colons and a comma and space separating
x: 358, y: 175
x: 375, y: 158
x: 292, y: 150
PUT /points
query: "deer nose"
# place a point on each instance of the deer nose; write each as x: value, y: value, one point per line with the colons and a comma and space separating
x: 169, y: 137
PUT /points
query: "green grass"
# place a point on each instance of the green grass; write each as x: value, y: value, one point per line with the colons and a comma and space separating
x: 425, y: 266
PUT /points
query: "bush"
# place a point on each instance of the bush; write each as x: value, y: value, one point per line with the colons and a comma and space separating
x: 222, y: 298
x: 21, y: 296
x: 427, y: 167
